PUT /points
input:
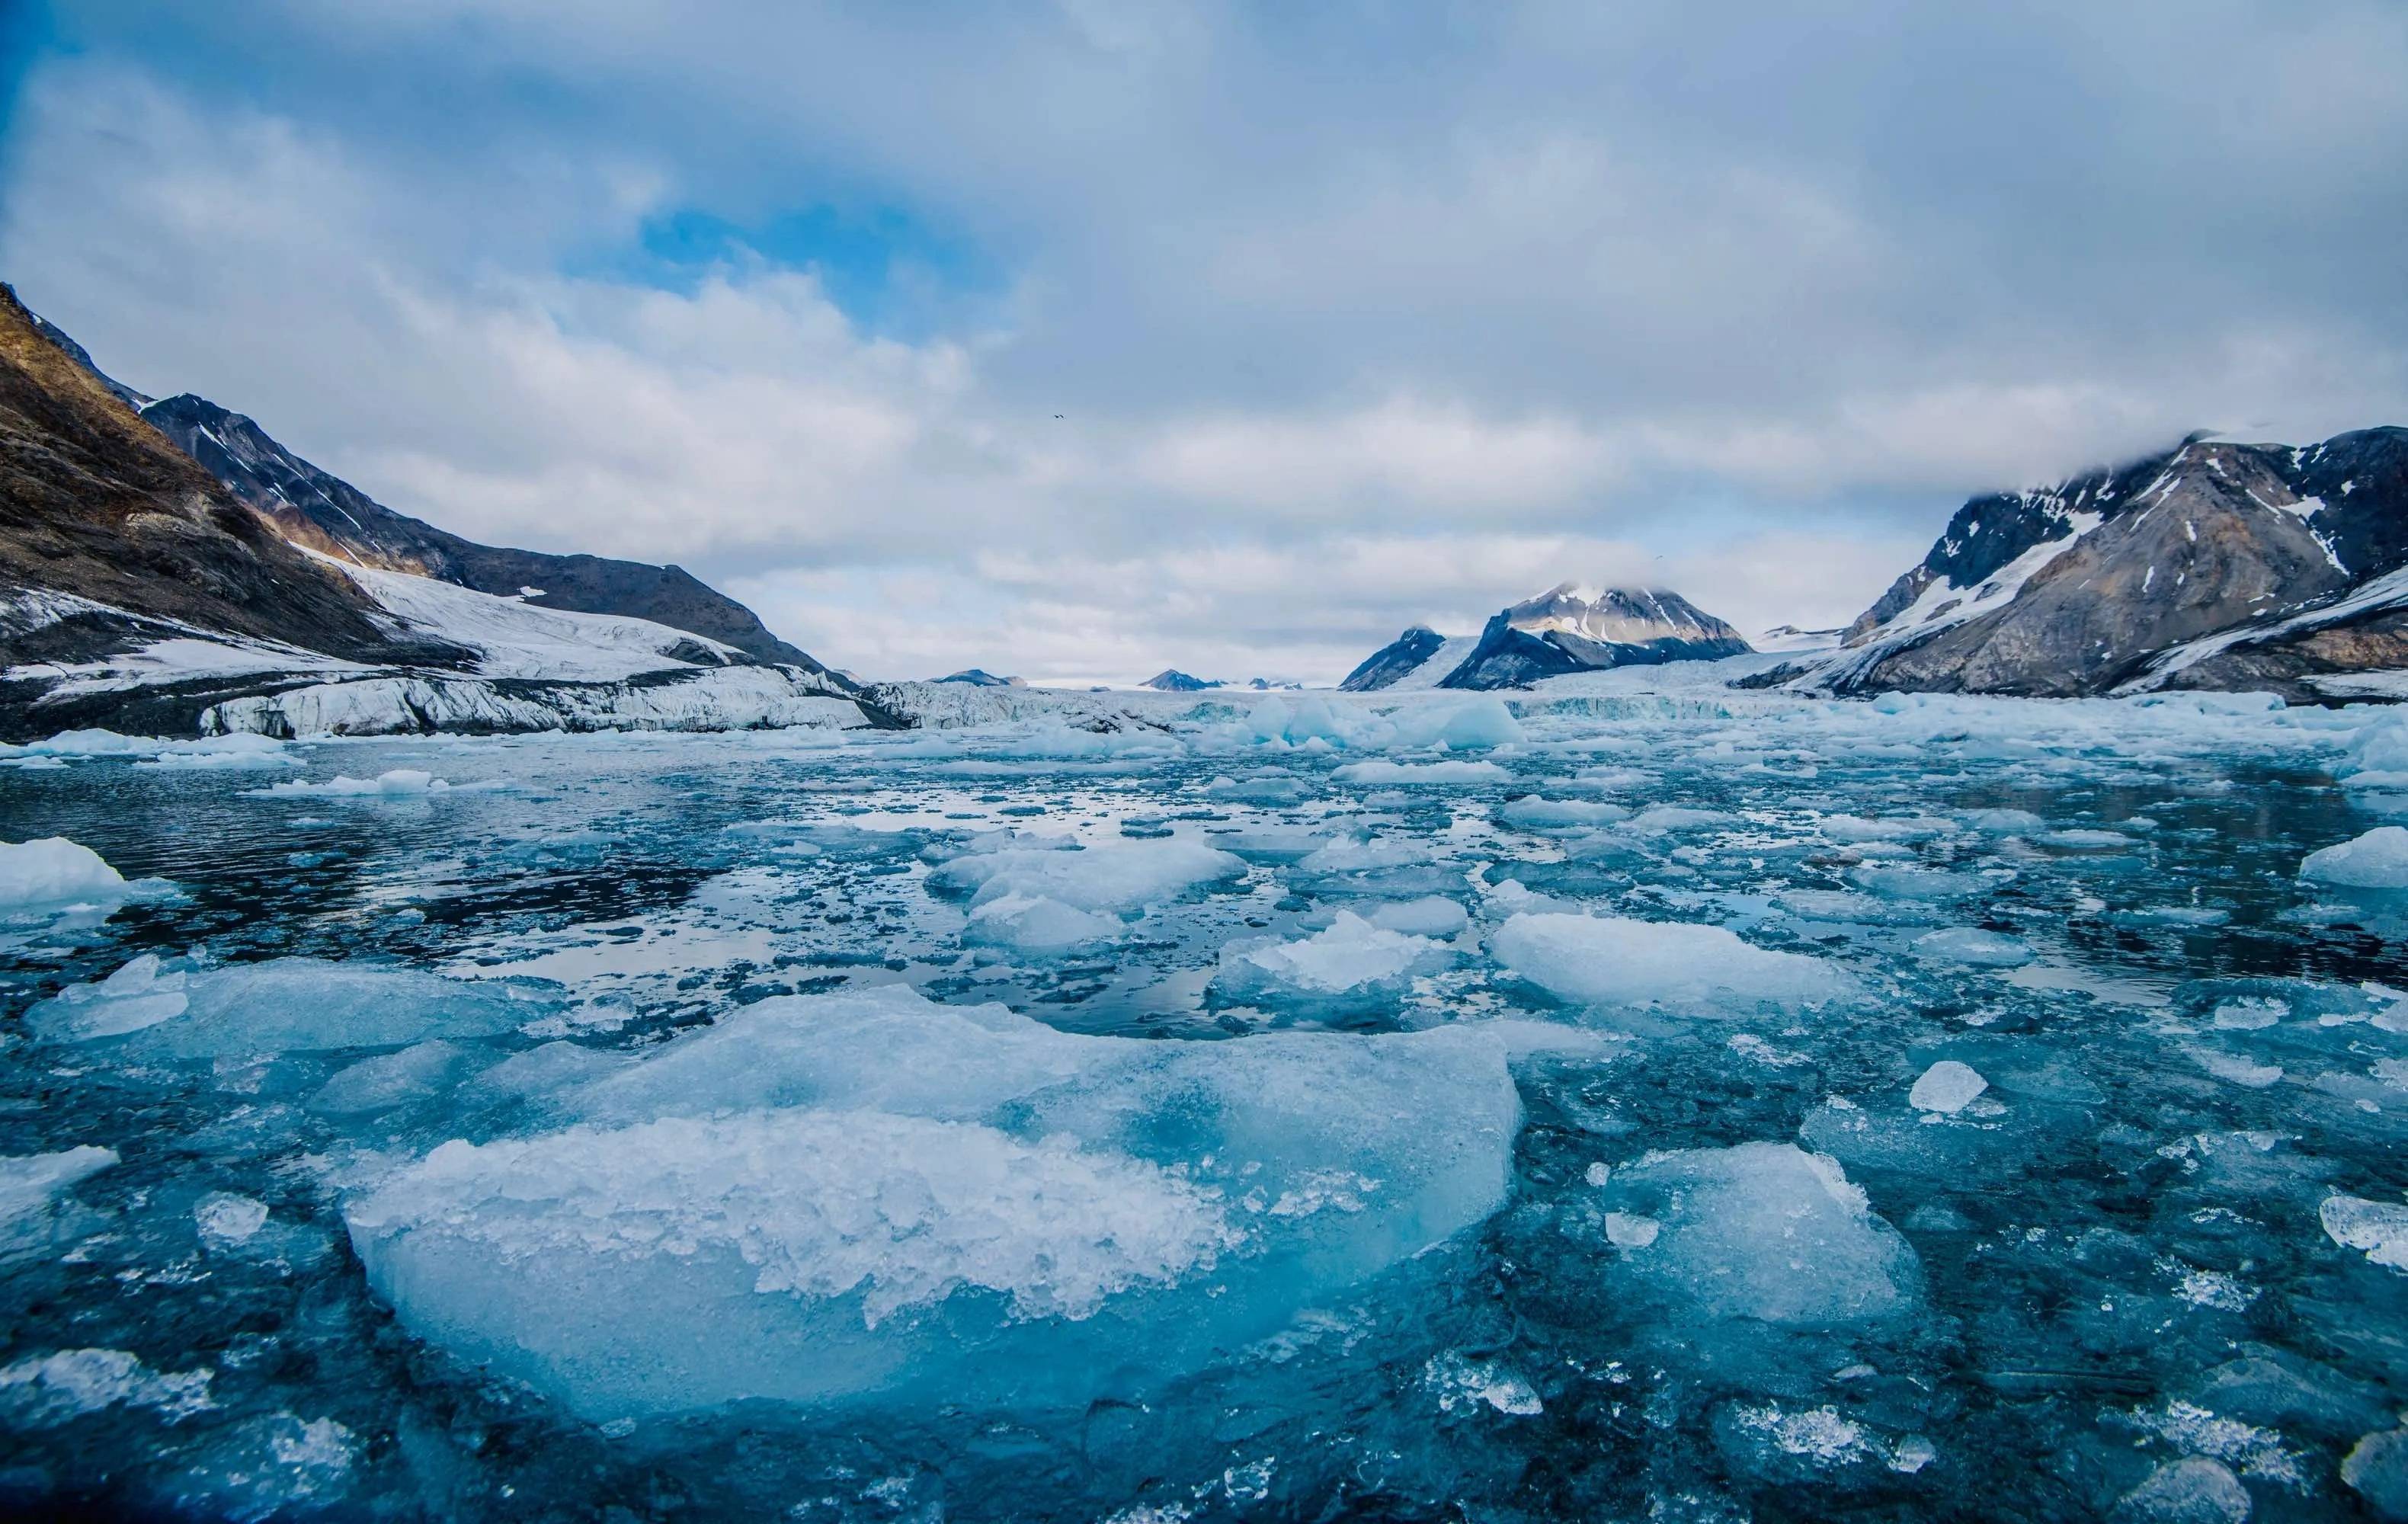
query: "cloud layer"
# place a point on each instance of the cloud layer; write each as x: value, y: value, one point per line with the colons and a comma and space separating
x: 1250, y: 334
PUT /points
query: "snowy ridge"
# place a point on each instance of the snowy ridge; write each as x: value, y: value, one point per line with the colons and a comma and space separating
x: 518, y: 639
x: 717, y: 699
x: 1435, y: 670
x: 2385, y: 592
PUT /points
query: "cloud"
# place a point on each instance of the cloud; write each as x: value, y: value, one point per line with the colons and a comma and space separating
x: 1352, y: 316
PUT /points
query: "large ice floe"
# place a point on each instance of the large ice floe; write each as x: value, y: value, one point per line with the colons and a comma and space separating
x: 1626, y: 1098
x: 824, y: 1198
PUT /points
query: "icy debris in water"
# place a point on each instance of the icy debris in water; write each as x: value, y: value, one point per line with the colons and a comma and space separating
x: 2005, y: 822
x: 286, y: 1004
x: 1419, y: 773
x: 2249, y: 1013
x: 2379, y: 1230
x: 1347, y: 856
x: 271, y: 1466
x: 2253, y: 1450
x: 1597, y: 1173
x: 2376, y: 860
x: 2377, y: 1468
x: 1116, y: 877
x: 2209, y: 1288
x: 2192, y: 1491
x: 1460, y: 1381
x: 53, y: 870
x: 1764, y: 1231
x: 1947, y: 1088
x: 1350, y: 956
x: 137, y: 995
x: 1432, y: 915
x: 47, y: 1390
x: 823, y: 1199
x: 2233, y: 1069
x: 401, y: 782
x: 28, y: 1182
x: 224, y: 1219
x: 1532, y: 814
x: 2084, y: 839
x: 1918, y: 883
x: 1609, y: 960
x: 1626, y: 1230
x: 1846, y: 827
x: 1974, y: 947
x: 1665, y: 819
x: 1036, y: 925
x: 1819, y: 1434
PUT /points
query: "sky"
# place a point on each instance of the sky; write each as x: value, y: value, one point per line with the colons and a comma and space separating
x: 1082, y: 338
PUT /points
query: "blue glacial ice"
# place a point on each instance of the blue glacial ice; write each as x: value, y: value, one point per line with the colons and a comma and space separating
x: 1627, y: 1099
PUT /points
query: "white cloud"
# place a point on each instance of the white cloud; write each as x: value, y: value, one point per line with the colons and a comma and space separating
x: 1356, y: 317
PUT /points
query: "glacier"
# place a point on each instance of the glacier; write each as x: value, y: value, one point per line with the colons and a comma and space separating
x: 1632, y: 1096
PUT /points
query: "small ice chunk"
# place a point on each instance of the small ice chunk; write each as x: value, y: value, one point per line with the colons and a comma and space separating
x: 224, y: 1219
x: 1433, y: 915
x: 1352, y: 955
x: 1035, y: 925
x: 28, y: 1182
x: 1121, y: 876
x: 53, y: 870
x: 1460, y: 1381
x: 2377, y: 1229
x: 2192, y: 1491
x: 2376, y: 860
x: 289, y: 1004
x: 1974, y: 947
x: 2233, y: 1069
x: 1610, y: 961
x: 1421, y: 772
x: 1532, y: 814
x: 1763, y: 1231
x: 1947, y: 1088
x: 1627, y: 1230
x: 2377, y: 1468
x: 47, y: 1390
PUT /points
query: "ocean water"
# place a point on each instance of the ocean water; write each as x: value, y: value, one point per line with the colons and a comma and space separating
x: 1622, y: 1104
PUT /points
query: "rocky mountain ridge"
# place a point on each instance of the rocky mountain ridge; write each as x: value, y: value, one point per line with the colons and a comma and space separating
x: 2213, y: 565
x: 1566, y: 629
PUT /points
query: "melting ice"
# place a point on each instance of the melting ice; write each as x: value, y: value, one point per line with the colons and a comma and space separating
x: 1633, y: 1099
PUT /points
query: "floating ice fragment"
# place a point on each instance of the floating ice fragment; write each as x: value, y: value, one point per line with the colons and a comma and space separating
x: 392, y: 1079
x: 1419, y: 773
x: 1627, y: 1230
x: 2192, y: 1491
x: 28, y: 1182
x: 54, y: 871
x: 224, y: 1219
x: 401, y: 782
x: 1121, y: 876
x: 1033, y: 925
x: 2377, y: 1468
x: 1947, y: 1088
x: 2377, y: 1229
x: 1532, y: 814
x: 283, y: 1005
x: 1350, y: 957
x: 47, y: 1390
x: 1460, y: 1381
x: 1764, y: 1231
x: 2233, y: 1069
x: 1974, y: 947
x: 2376, y: 860
x: 823, y: 1199
x: 1609, y: 960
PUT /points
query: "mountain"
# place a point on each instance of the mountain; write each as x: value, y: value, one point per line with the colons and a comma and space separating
x: 1407, y: 653
x: 1791, y: 638
x: 1575, y: 629
x: 2211, y: 565
x: 137, y: 592
x: 330, y: 515
x: 979, y: 677
x: 112, y: 535
x: 1171, y: 680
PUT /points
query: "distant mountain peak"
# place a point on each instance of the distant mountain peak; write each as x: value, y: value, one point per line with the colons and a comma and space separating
x: 1171, y: 680
x: 979, y: 677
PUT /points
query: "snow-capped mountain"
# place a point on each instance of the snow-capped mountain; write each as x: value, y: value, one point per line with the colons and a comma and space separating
x: 1171, y: 680
x: 325, y: 513
x: 1569, y: 628
x: 979, y: 677
x: 2214, y: 564
x: 139, y: 592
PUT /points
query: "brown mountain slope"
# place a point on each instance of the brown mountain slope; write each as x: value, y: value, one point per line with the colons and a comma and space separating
x: 96, y: 503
